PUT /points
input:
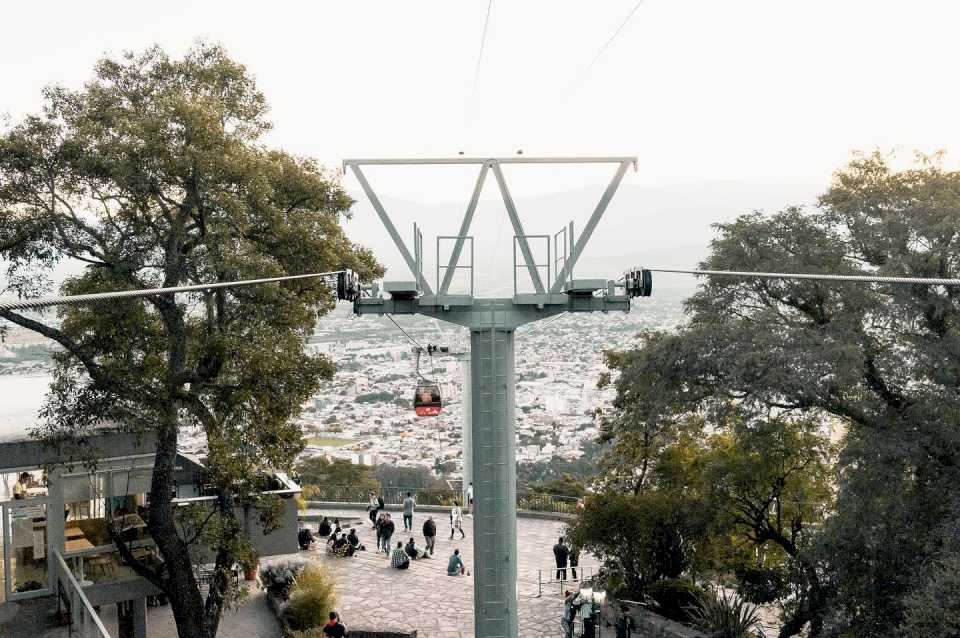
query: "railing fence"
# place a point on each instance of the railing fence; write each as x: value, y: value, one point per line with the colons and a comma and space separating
x: 83, y: 618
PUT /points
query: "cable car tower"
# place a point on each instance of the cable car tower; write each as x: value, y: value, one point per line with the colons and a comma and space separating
x: 492, y: 323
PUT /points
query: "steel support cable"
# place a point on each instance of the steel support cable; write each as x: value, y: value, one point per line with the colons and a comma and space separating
x: 412, y: 340
x: 45, y: 302
x: 923, y: 281
x: 613, y: 37
x: 483, y: 41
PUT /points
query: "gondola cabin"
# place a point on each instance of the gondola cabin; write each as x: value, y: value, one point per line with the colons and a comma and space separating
x: 426, y: 399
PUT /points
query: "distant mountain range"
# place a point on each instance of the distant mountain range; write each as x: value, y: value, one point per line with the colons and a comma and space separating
x: 666, y: 226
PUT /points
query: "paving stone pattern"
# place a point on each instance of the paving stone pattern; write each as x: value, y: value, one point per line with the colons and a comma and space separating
x: 424, y: 598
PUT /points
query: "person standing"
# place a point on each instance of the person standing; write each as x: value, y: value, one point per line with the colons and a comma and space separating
x: 430, y: 534
x: 386, y: 531
x: 334, y: 628
x: 470, y: 499
x: 561, y: 552
x: 625, y: 624
x: 574, y: 560
x: 408, y: 505
x: 456, y: 521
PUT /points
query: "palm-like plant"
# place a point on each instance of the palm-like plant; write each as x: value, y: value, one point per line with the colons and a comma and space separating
x: 724, y: 615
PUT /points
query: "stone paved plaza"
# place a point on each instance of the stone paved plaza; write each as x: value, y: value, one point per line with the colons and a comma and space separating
x: 373, y: 595
x: 424, y: 598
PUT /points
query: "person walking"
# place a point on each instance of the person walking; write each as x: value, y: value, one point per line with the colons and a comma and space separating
x: 470, y: 499
x: 408, y: 505
x: 375, y: 507
x: 561, y: 552
x: 386, y: 531
x: 574, y: 560
x: 430, y: 533
x: 456, y: 521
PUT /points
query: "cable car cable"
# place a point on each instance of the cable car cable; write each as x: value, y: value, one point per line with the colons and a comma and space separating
x: 483, y: 40
x: 612, y: 38
x: 412, y: 340
x: 45, y: 302
x: 922, y: 281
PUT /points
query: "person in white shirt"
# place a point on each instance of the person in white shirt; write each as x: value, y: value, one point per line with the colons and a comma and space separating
x: 456, y: 522
x: 470, y: 499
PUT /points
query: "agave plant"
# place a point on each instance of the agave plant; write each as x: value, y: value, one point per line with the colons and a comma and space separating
x: 724, y: 615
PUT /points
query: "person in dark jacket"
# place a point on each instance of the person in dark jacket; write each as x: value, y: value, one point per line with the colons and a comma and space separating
x: 625, y: 624
x: 561, y: 552
x: 386, y: 531
x: 334, y: 628
x: 430, y: 533
x: 354, y: 540
x: 574, y: 560
x: 324, y: 529
x: 305, y: 538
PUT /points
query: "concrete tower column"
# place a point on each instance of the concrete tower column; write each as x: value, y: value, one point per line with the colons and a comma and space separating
x: 495, y: 491
x: 466, y: 405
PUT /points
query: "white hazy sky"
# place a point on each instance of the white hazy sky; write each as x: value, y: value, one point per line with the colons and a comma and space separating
x: 754, y: 90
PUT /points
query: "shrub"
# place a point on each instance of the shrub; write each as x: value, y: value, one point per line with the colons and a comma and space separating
x: 675, y: 598
x: 726, y: 616
x: 279, y: 577
x: 761, y: 586
x: 312, y: 598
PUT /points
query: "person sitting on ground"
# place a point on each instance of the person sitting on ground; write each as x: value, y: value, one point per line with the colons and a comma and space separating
x: 342, y: 547
x: 399, y: 558
x: 354, y: 540
x: 305, y: 538
x: 455, y: 566
x: 324, y: 529
x: 413, y: 551
x: 334, y: 628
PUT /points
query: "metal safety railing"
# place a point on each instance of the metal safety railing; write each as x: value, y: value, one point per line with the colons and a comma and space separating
x: 393, y: 496
x: 84, y: 620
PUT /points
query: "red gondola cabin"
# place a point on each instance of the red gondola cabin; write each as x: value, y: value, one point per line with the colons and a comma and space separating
x: 426, y: 399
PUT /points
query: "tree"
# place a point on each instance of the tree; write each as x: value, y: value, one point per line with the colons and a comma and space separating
x: 319, y: 471
x: 566, y: 485
x: 877, y: 361
x: 154, y: 174
x: 407, y: 477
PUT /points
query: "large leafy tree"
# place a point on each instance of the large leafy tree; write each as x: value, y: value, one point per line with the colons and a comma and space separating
x: 879, y: 360
x: 154, y: 174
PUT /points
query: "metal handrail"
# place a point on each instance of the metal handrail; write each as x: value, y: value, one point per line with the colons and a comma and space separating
x: 393, y: 496
x: 82, y: 614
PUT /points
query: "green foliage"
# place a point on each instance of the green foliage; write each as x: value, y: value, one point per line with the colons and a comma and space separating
x: 566, y: 485
x: 155, y: 173
x: 641, y: 538
x: 312, y: 597
x: 675, y: 598
x: 375, y: 397
x: 933, y: 611
x: 724, y: 615
x: 319, y: 471
x: 876, y: 363
x: 406, y: 477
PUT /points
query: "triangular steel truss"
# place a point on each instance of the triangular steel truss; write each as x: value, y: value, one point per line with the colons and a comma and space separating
x: 494, y: 164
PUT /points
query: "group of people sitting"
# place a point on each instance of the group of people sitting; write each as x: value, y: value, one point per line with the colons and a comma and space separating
x: 338, y: 543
